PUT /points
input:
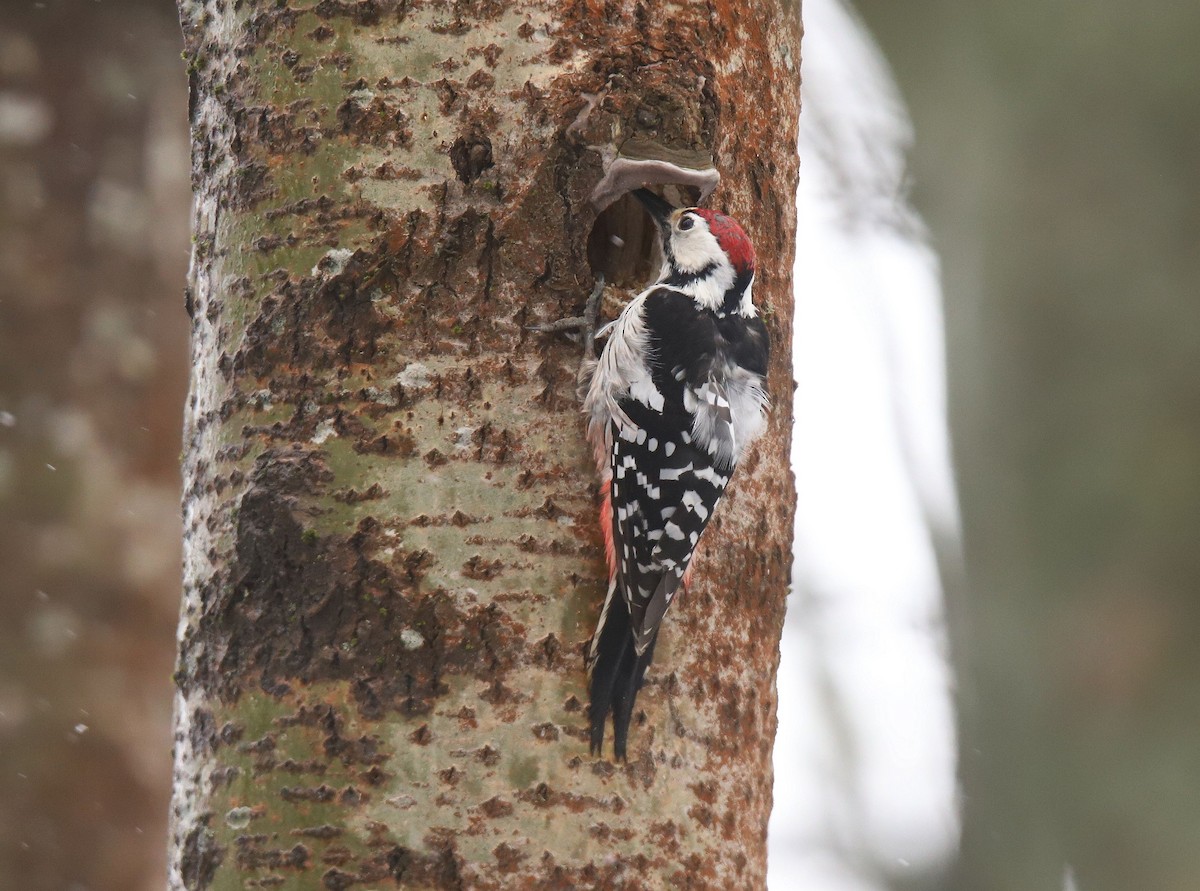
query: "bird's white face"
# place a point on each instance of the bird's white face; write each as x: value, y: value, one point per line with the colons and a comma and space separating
x: 693, y: 245
x: 709, y: 257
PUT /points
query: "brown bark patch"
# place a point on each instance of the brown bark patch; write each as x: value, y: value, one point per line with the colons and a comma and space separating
x: 496, y: 807
x: 336, y: 613
x: 200, y: 858
x: 508, y: 858
x: 317, y: 321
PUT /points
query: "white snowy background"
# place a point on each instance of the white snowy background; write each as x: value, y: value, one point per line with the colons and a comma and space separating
x: 865, y: 755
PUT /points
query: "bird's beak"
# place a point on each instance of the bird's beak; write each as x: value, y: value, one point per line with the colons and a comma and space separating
x: 658, y: 208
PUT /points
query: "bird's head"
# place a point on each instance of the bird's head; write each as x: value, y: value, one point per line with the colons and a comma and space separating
x: 706, y: 254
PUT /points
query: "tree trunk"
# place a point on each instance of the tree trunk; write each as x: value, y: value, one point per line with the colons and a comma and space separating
x: 392, y: 558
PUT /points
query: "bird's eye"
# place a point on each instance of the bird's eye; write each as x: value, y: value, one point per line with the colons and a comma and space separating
x: 686, y: 223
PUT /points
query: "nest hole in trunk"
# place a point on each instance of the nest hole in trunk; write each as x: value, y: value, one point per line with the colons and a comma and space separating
x: 623, y: 245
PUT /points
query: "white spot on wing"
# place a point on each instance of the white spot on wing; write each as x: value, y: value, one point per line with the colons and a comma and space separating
x: 643, y: 390
x: 695, y: 504
x: 673, y: 473
x: 710, y: 475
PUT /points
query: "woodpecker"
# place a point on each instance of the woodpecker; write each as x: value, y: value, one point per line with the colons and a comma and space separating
x: 677, y: 395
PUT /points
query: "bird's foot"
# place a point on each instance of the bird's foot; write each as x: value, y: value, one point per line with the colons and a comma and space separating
x: 581, y: 329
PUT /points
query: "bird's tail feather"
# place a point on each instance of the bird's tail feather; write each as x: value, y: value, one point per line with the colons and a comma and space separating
x: 617, y: 673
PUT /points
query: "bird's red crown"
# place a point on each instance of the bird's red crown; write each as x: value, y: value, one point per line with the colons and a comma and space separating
x: 731, y: 237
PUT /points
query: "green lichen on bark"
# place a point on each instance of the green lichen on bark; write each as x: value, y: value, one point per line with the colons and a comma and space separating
x: 392, y: 561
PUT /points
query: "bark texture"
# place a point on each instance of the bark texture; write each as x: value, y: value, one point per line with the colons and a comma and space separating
x: 391, y: 552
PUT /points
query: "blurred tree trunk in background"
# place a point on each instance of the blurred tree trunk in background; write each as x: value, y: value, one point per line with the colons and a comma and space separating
x: 1056, y: 164
x: 93, y: 367
x: 391, y: 556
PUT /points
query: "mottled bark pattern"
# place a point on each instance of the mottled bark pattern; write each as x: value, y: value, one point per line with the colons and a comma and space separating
x: 392, y: 559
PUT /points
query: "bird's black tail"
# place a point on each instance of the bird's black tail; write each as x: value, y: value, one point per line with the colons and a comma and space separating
x: 617, y: 673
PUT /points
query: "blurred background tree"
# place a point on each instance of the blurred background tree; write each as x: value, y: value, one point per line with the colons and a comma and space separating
x: 93, y: 363
x: 1056, y: 166
x: 1056, y: 163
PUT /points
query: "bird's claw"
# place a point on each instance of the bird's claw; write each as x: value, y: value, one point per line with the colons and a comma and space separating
x: 579, y: 327
x: 568, y: 326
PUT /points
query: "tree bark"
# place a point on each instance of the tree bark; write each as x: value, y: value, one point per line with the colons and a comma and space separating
x: 392, y: 557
